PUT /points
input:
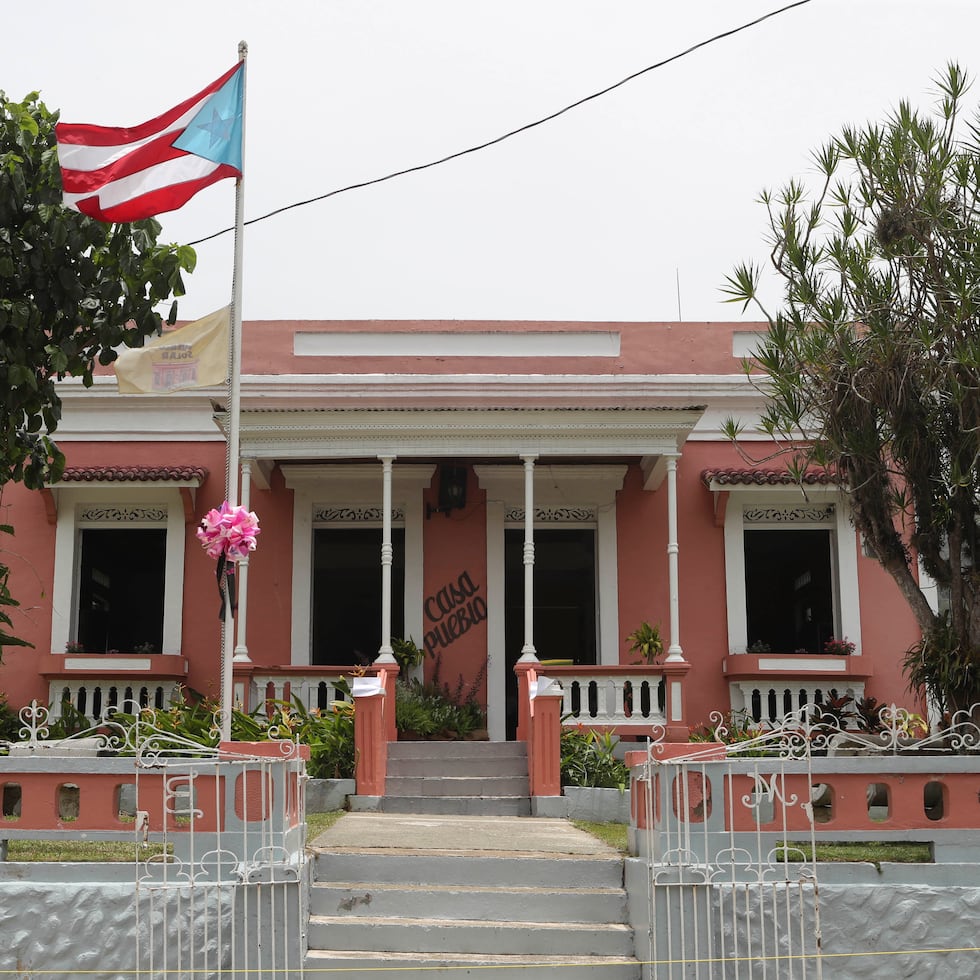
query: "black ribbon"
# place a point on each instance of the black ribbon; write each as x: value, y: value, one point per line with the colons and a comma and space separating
x: 225, y: 572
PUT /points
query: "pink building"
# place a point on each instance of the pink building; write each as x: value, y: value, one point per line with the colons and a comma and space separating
x: 607, y: 434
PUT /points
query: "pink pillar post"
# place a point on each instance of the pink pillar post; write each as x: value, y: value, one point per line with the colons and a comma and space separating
x: 544, y: 746
x: 370, y: 744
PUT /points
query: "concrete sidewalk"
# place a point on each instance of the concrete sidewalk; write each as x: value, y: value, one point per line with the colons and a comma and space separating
x: 408, y: 833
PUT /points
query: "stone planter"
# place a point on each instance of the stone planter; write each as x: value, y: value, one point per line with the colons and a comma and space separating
x: 324, y: 795
x: 599, y: 805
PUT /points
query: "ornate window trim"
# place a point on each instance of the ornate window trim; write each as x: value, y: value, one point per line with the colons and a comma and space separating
x: 354, y: 514
x: 824, y: 515
x: 554, y: 515
x: 117, y: 505
x: 756, y: 507
x: 126, y: 514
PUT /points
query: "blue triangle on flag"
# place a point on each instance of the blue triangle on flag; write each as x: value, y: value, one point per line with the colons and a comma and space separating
x: 215, y: 133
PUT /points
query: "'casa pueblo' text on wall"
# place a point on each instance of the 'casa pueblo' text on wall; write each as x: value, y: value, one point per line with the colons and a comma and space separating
x: 452, y: 612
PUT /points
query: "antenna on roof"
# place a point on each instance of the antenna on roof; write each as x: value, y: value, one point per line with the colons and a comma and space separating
x: 677, y: 277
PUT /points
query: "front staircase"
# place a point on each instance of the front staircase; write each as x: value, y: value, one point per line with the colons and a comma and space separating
x: 462, y: 894
x: 448, y: 872
x: 472, y: 778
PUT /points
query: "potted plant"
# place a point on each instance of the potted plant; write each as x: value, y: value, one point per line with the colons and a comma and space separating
x: 646, y: 642
x: 839, y: 648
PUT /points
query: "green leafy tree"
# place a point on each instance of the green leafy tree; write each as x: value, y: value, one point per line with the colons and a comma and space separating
x: 71, y: 290
x: 873, y: 359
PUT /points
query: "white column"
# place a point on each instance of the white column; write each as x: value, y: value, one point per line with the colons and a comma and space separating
x: 241, y: 648
x: 385, y: 653
x: 674, y: 652
x: 527, y: 651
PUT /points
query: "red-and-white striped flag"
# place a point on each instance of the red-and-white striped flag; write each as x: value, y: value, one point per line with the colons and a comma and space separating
x: 126, y: 174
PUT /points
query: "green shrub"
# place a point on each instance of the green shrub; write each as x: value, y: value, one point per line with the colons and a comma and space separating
x: 9, y: 721
x: 330, y: 735
x: 587, y: 760
x: 432, y: 708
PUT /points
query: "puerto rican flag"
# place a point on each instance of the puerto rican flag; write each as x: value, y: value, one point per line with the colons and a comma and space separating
x: 118, y: 174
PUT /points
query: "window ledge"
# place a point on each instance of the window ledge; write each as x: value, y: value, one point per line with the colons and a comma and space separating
x: 112, y: 664
x: 752, y: 665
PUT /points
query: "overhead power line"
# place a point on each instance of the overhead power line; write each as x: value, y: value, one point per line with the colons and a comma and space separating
x: 513, y: 132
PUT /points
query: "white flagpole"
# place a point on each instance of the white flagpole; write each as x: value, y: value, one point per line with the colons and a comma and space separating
x: 234, y: 417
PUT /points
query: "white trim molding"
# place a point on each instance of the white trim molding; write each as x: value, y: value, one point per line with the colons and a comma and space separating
x: 782, y: 507
x: 116, y: 505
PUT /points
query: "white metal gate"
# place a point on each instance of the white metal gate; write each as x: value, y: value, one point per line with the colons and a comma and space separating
x: 726, y: 897
x: 228, y: 897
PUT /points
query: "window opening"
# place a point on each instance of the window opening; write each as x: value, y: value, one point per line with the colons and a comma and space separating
x: 346, y: 610
x: 121, y: 581
x: 565, y: 602
x: 789, y: 593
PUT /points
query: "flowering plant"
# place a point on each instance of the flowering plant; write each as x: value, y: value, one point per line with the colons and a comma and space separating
x: 228, y: 532
x: 839, y: 648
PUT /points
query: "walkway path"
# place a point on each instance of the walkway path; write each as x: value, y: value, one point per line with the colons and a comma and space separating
x: 408, y: 833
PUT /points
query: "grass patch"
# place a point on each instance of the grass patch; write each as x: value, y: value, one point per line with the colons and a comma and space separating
x: 613, y: 834
x: 872, y: 852
x: 125, y: 851
x: 82, y: 850
x: 317, y: 823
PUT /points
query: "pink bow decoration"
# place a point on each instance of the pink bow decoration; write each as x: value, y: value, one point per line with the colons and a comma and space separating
x: 228, y: 532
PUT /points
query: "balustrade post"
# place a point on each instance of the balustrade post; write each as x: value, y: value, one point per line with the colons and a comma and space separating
x: 544, y: 746
x: 243, y: 686
x: 677, y: 726
x: 370, y: 744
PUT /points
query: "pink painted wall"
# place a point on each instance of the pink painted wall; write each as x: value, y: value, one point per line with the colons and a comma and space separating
x: 645, y: 348
x: 30, y: 556
x: 455, y: 566
x: 643, y: 582
x: 454, y: 607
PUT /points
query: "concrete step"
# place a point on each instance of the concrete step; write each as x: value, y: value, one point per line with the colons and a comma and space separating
x: 497, y: 904
x: 415, y: 895
x: 403, y: 934
x: 444, y: 785
x: 475, y: 806
x: 456, y: 750
x: 458, y: 765
x: 422, y: 966
x: 484, y: 869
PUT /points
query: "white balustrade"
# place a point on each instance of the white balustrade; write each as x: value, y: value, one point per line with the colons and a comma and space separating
x: 618, y: 698
x: 770, y: 699
x: 95, y: 696
x: 314, y: 690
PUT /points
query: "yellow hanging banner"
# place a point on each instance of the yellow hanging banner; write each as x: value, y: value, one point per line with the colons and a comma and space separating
x: 195, y: 356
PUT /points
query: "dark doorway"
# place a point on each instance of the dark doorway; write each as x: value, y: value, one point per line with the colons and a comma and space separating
x: 789, y: 594
x: 346, y: 610
x: 121, y: 579
x: 564, y: 600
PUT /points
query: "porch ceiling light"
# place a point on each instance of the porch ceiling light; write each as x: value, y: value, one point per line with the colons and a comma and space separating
x: 452, y: 491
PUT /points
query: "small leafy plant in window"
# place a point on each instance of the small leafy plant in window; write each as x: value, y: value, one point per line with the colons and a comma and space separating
x: 839, y: 648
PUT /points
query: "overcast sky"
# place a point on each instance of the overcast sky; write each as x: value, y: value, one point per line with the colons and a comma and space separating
x: 594, y: 216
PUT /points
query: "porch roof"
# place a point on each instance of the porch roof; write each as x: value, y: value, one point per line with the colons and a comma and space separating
x: 333, y: 432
